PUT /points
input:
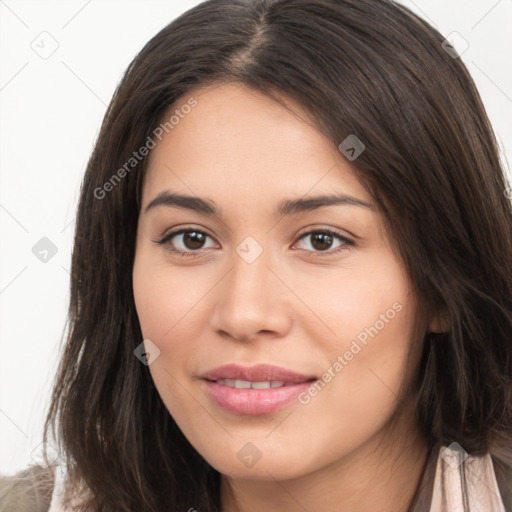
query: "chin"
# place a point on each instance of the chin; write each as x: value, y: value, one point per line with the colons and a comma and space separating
x: 261, y: 459
x: 272, y: 469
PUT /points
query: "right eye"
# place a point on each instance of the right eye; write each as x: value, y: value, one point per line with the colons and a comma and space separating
x: 186, y: 242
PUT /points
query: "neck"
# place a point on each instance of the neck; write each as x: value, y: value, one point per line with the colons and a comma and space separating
x: 383, y: 474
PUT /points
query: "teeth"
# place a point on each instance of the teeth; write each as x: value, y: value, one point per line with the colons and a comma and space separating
x: 261, y: 385
x: 245, y: 384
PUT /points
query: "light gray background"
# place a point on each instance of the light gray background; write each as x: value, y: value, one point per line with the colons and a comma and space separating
x: 51, y: 107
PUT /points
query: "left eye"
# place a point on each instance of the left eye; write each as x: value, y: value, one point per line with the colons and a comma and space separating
x: 321, y: 241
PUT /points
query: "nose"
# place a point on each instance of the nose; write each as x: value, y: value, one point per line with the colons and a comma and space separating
x: 251, y: 302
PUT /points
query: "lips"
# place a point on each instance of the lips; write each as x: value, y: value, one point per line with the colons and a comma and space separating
x: 259, y: 389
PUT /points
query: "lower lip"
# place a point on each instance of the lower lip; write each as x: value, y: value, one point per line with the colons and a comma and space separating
x: 254, y: 401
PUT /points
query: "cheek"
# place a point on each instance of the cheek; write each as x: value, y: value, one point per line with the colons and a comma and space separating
x: 372, y: 349
x: 164, y: 305
x: 363, y: 385
x: 371, y: 299
x: 165, y: 300
x: 171, y: 307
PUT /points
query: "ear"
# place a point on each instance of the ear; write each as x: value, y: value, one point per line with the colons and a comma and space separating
x: 439, y: 323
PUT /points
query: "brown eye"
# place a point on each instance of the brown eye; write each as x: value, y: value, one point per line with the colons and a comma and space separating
x: 187, y: 241
x: 321, y: 241
x: 324, y: 241
x: 194, y: 240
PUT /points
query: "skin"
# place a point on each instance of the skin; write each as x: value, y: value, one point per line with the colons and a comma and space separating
x: 355, y: 446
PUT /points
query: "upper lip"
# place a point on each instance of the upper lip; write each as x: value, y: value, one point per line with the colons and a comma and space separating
x: 255, y: 373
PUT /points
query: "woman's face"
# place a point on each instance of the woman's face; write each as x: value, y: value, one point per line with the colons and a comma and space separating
x: 279, y: 272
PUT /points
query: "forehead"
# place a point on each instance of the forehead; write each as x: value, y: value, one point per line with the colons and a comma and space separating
x: 239, y: 139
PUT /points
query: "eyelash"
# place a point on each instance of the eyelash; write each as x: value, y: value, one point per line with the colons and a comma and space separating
x: 347, y: 243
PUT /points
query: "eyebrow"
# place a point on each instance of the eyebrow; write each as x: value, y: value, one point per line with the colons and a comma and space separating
x: 287, y: 207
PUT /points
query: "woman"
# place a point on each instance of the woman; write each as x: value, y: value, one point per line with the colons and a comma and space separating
x: 291, y: 279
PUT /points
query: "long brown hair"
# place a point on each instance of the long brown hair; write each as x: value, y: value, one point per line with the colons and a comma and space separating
x: 370, y: 68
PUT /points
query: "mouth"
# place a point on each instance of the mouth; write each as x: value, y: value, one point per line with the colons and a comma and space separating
x: 255, y: 390
x: 247, y: 384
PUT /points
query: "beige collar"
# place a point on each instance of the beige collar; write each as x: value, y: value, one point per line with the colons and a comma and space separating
x: 465, y: 483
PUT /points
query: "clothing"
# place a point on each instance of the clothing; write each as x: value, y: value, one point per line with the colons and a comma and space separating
x: 462, y: 483
x: 465, y: 483
x: 29, y: 490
